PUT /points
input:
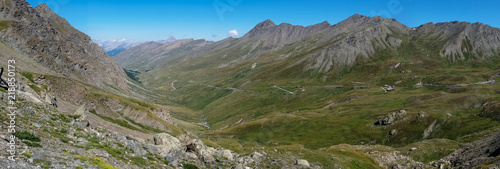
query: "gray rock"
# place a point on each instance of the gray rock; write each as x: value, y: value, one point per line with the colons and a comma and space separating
x: 81, y: 139
x: 208, y: 159
x: 393, y: 132
x: 166, y: 143
x: 195, y: 146
x: 428, y: 131
x: 240, y: 166
x: 421, y: 114
x: 211, y: 151
x: 82, y: 123
x: 137, y: 148
x: 391, y: 118
x: 228, y: 155
x: 71, y: 135
x: 165, y: 139
x: 240, y: 160
x: 256, y: 156
x: 170, y: 158
x: 302, y: 162
x: 37, y: 125
x: 97, y: 152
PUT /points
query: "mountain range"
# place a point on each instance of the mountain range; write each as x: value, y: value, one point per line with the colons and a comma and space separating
x: 367, y: 92
x: 113, y: 47
x: 284, y: 84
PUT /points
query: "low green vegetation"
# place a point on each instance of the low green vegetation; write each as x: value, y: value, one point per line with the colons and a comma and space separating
x: 189, y: 166
x: 139, y: 161
x: 26, y: 154
x: 31, y: 144
x: 25, y: 135
x: 65, y: 140
x: 132, y: 74
x: 4, y: 24
x: 95, y: 161
x: 245, y: 105
x: 122, y: 123
x: 430, y: 150
x: 42, y: 163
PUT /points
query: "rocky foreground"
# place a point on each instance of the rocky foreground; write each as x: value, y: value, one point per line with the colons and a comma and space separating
x: 48, y: 138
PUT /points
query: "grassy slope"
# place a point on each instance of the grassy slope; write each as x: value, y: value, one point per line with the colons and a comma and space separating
x: 320, y: 115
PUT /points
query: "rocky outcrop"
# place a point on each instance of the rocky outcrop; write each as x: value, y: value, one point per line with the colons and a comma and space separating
x: 421, y: 114
x: 391, y: 118
x: 475, y: 153
x: 302, y: 162
x: 428, y: 131
x: 51, y: 41
x: 491, y: 110
x: 167, y: 141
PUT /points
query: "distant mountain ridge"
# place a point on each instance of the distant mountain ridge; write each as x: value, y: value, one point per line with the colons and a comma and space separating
x: 354, y: 39
x: 114, y: 47
x: 150, y: 54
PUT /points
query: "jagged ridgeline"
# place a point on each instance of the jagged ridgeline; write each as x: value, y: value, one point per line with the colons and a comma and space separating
x: 367, y: 92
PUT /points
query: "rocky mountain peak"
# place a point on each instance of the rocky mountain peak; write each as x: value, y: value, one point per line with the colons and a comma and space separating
x: 357, y: 17
x: 357, y: 21
x: 324, y: 23
x: 170, y: 39
x: 265, y: 24
x: 47, y: 13
x: 283, y: 33
x: 43, y: 7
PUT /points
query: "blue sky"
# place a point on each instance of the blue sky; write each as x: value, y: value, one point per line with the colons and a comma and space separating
x: 146, y: 20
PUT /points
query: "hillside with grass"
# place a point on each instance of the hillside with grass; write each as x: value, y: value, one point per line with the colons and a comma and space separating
x: 367, y: 92
x: 329, y: 87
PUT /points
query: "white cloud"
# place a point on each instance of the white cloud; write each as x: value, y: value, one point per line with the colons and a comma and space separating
x: 233, y: 33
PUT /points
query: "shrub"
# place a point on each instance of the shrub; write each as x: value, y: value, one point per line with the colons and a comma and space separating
x: 189, y: 166
x: 27, y: 154
x: 32, y: 144
x: 140, y: 161
x: 65, y: 140
x: 24, y: 135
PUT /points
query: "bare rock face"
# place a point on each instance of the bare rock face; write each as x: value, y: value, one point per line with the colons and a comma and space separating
x: 475, y: 153
x: 50, y: 40
x: 163, y: 114
x: 464, y: 40
x: 277, y: 35
x: 355, y: 39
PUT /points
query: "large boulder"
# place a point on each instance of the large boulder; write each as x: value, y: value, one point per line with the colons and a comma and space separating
x: 227, y: 154
x: 195, y: 146
x: 224, y: 153
x: 256, y: 156
x: 302, y: 162
x: 165, y: 143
